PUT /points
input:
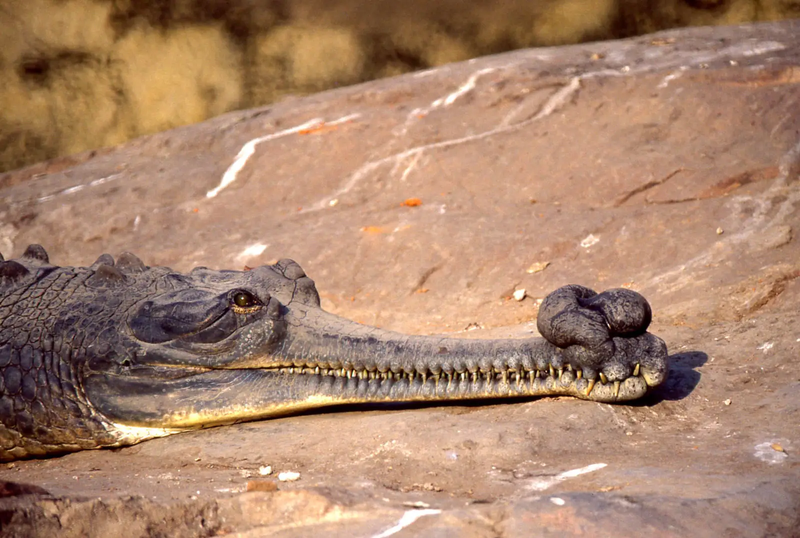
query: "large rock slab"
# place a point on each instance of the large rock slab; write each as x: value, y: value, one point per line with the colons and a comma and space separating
x: 668, y: 164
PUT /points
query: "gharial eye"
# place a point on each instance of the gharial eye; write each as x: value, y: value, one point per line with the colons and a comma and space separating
x: 245, y: 299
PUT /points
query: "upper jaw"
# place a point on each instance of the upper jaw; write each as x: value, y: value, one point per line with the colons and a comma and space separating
x: 302, y: 339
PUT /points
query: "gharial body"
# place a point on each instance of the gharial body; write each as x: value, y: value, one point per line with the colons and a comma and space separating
x: 116, y: 353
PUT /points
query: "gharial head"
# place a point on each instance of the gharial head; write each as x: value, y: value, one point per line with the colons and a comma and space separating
x: 124, y: 313
x: 118, y: 352
x: 207, y: 318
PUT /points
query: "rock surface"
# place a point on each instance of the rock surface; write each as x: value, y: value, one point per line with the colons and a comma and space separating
x: 668, y: 164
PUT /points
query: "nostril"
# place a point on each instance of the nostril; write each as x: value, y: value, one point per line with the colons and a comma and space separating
x: 627, y: 313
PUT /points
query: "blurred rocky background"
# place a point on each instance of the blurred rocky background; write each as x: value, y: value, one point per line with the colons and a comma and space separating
x: 82, y: 74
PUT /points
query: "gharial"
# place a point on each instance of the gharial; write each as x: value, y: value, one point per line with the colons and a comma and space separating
x: 116, y: 353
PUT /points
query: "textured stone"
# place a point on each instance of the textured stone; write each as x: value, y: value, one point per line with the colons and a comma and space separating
x: 616, y: 162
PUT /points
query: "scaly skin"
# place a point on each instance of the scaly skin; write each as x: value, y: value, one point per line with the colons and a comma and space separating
x: 117, y: 353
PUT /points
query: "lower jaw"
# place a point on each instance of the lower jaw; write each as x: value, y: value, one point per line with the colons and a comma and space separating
x: 353, y: 389
x: 215, y: 397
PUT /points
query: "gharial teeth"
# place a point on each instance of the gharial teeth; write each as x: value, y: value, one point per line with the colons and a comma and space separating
x: 590, y: 387
x: 616, y: 388
x: 636, y: 369
x: 506, y: 376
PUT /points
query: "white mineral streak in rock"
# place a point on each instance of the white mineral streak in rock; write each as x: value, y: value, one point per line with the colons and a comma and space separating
x: 78, y: 188
x: 253, y: 250
x: 590, y: 240
x: 537, y: 267
x: 288, y: 476
x: 465, y: 88
x: 767, y: 452
x: 672, y: 76
x: 542, y: 484
x: 559, y: 98
x: 265, y: 470
x: 763, y: 48
x: 408, y: 518
x: 249, y: 148
x: 766, y: 346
